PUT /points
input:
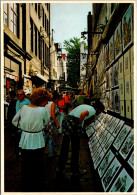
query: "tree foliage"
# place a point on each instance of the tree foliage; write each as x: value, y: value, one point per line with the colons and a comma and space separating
x: 73, y: 60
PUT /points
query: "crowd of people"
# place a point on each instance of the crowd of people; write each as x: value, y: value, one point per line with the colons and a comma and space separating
x: 36, y: 123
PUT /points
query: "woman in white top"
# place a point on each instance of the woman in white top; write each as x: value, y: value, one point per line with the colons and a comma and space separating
x: 32, y: 120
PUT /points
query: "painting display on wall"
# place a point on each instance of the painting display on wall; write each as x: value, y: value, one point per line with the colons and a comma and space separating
x: 127, y: 63
x: 110, y: 173
x: 127, y: 27
x: 127, y: 87
x: 110, y: 78
x: 115, y: 75
x: 132, y: 59
x: 111, y: 50
x: 118, y: 41
x: 128, y: 109
x: 121, y: 136
x: 121, y: 89
x: 122, y: 108
x: 127, y: 145
x: 121, y: 68
x: 106, y: 56
x: 106, y: 161
x: 132, y: 86
x: 111, y: 103
x: 107, y: 79
x: 116, y: 101
x: 131, y: 160
x: 122, y: 183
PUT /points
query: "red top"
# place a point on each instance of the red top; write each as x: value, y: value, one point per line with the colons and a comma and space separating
x: 67, y: 98
x: 61, y: 105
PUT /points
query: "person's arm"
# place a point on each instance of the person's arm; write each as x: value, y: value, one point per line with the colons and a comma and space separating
x: 53, y: 114
x: 83, y: 115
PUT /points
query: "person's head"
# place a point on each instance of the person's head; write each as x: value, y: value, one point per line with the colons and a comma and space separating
x: 12, y: 93
x: 55, y: 96
x: 39, y: 97
x: 20, y: 95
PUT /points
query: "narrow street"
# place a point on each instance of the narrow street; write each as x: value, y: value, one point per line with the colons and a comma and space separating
x: 85, y: 183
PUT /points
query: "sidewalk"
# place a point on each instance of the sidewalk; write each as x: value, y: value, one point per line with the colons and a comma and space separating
x: 85, y: 183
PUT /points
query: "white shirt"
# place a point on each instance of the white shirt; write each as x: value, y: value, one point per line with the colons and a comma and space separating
x: 81, y: 108
x: 32, y: 119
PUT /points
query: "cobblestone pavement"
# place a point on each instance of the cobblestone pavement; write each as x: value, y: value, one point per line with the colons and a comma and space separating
x: 84, y: 183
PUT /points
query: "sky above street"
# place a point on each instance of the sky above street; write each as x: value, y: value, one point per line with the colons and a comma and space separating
x: 68, y: 20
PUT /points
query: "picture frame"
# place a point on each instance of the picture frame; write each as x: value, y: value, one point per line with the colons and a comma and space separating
x: 110, y: 77
x: 99, y: 159
x: 113, y: 127
x: 115, y: 74
x: 107, y: 56
x: 121, y: 67
x: 111, y: 123
x: 122, y: 108
x: 118, y: 40
x: 132, y: 86
x: 107, y: 80
x: 111, y: 103
x: 132, y: 59
x: 116, y: 101
x: 121, y: 89
x: 127, y: 28
x: 108, y: 143
x: 89, y: 131
x: 121, y: 136
x: 110, y: 173
x: 131, y: 160
x: 111, y: 50
x: 107, y: 101
x: 127, y: 87
x: 105, y: 163
x: 122, y: 183
x: 127, y: 63
x: 128, y: 109
x: 127, y: 145
x: 118, y: 128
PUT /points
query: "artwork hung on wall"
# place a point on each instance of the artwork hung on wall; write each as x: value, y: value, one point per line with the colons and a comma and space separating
x: 115, y: 75
x: 104, y: 164
x: 132, y: 86
x: 121, y: 68
x: 132, y: 110
x: 132, y: 59
x: 118, y: 128
x: 107, y: 101
x: 110, y: 78
x: 121, y: 136
x: 127, y: 63
x: 118, y: 41
x: 111, y: 50
x: 110, y: 174
x: 122, y: 108
x: 107, y: 79
x: 106, y: 56
x: 128, y: 109
x: 111, y: 103
x: 121, y: 89
x: 131, y: 160
x: 127, y: 87
x: 127, y: 145
x: 116, y: 101
x: 122, y: 183
x: 127, y: 28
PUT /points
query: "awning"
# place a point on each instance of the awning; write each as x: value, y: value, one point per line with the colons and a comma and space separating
x: 39, y: 80
x: 42, y: 77
x: 26, y: 76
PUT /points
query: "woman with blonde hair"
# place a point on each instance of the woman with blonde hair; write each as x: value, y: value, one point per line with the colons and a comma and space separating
x: 31, y: 119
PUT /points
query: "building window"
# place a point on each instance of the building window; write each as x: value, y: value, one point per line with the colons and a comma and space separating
x: 36, y: 7
x: 14, y: 18
x: 6, y: 14
x: 31, y: 35
x: 45, y: 22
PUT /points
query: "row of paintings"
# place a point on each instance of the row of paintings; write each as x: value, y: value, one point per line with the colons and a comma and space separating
x: 127, y: 109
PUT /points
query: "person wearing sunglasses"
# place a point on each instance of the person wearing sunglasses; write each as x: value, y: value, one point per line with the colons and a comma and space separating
x: 22, y: 100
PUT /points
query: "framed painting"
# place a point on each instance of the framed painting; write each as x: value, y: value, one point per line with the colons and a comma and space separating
x: 118, y: 128
x: 121, y: 89
x: 127, y: 28
x: 105, y: 163
x: 122, y: 108
x: 115, y: 74
x: 89, y: 131
x: 121, y: 68
x: 132, y: 86
x: 108, y: 143
x: 127, y: 63
x: 127, y: 145
x: 113, y: 127
x: 116, y: 101
x: 121, y: 136
x: 132, y: 59
x: 107, y: 101
x: 118, y: 40
x: 111, y: 50
x: 99, y: 159
x: 106, y: 56
x: 110, y: 78
x: 111, y: 103
x: 131, y: 160
x: 122, y: 182
x: 127, y: 87
x: 110, y: 174
x: 111, y: 123
x: 107, y: 79
x: 128, y: 109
